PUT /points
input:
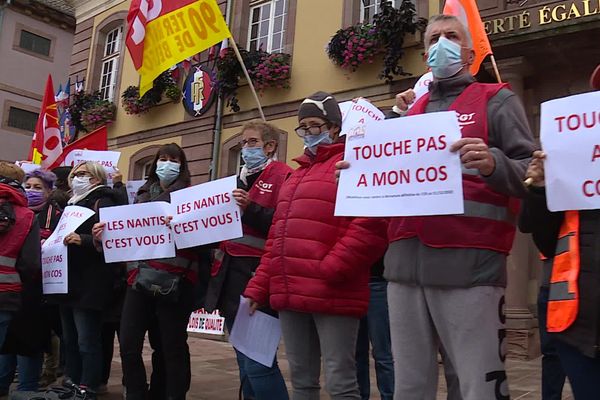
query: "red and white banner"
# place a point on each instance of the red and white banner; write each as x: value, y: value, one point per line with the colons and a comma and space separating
x: 46, y: 145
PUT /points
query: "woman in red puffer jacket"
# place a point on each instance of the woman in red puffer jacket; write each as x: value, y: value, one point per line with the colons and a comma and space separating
x: 316, y: 268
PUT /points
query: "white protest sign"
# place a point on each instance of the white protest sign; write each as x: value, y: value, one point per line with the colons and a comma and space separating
x: 54, y: 252
x: 108, y: 159
x: 206, y: 213
x: 421, y: 87
x: 402, y: 167
x: 27, y: 166
x: 132, y: 189
x: 360, y: 112
x: 137, y: 232
x: 204, y: 322
x: 570, y: 136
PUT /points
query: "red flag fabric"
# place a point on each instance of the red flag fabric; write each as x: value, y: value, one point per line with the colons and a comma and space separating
x: 46, y: 145
x: 468, y: 13
x: 96, y: 140
x: 140, y: 13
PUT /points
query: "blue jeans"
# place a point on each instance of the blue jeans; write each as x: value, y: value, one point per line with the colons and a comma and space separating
x: 553, y: 375
x: 82, y: 334
x: 375, y: 327
x: 258, y: 381
x: 583, y: 371
x: 5, y: 317
x: 29, y: 368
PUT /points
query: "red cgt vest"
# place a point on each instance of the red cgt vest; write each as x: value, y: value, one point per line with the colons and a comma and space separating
x: 264, y: 192
x: 11, y: 243
x: 489, y: 218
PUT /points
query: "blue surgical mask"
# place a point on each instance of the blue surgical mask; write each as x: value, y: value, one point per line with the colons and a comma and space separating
x: 444, y: 58
x: 313, y: 141
x: 167, y: 171
x: 253, y: 156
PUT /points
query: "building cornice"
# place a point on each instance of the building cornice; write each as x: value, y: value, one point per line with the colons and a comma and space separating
x: 85, y: 9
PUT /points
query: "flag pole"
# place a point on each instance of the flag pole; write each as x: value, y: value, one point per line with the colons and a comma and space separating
x: 239, y: 57
x: 496, y: 69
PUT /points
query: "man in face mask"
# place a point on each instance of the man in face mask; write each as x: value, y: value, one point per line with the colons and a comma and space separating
x: 447, y: 274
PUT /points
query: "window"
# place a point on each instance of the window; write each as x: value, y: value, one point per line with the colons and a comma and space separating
x: 147, y: 168
x: 110, y: 63
x: 368, y: 8
x: 35, y: 43
x: 22, y: 119
x: 267, y: 29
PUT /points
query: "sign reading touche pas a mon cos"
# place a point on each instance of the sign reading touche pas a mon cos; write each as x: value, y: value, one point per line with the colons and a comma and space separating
x: 542, y: 17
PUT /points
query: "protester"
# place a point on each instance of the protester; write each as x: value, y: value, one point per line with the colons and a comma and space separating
x: 374, y: 328
x: 20, y: 282
x: 90, y: 283
x: 315, y: 270
x: 447, y: 274
x: 39, y: 185
x: 164, y: 317
x: 29, y: 331
x: 240, y: 257
x: 569, y: 240
x: 61, y: 192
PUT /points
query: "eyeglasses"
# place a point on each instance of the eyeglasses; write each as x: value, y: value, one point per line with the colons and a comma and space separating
x: 81, y: 174
x: 310, y: 130
x: 250, y: 142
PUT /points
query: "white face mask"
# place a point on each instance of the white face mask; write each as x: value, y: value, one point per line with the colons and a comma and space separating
x: 81, y: 184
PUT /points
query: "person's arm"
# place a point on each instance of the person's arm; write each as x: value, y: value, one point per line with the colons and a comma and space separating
x: 511, y: 143
x: 363, y: 243
x: 257, y: 288
x: 29, y: 262
x: 87, y: 239
x: 543, y: 224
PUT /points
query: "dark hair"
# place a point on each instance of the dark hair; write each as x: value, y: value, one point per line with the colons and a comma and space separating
x: 172, y: 150
x: 62, y: 178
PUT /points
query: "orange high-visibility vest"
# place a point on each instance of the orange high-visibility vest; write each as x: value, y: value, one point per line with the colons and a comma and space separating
x: 563, y: 301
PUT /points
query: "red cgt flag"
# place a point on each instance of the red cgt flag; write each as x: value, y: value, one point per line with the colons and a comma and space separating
x: 468, y: 13
x: 140, y: 13
x: 96, y: 140
x: 46, y: 145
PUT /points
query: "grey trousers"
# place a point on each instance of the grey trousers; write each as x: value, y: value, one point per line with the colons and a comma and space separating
x: 307, y: 337
x: 468, y: 323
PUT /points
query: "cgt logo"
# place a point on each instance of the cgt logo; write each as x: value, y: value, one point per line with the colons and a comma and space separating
x: 465, y: 119
x: 264, y: 187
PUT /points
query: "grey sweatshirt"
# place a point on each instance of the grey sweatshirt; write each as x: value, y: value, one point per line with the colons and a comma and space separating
x: 511, y: 144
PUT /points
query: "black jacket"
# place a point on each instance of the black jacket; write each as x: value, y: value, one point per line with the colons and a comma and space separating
x: 91, y: 280
x: 545, y: 225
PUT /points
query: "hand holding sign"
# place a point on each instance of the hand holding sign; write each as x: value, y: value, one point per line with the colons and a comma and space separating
x: 206, y: 213
x: 535, y: 170
x: 475, y: 154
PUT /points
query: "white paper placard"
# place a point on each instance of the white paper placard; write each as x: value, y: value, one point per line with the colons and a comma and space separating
x: 570, y: 136
x: 137, y: 232
x: 108, y: 159
x: 402, y: 167
x: 54, y: 252
x: 206, y: 213
x: 359, y: 112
